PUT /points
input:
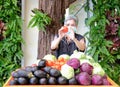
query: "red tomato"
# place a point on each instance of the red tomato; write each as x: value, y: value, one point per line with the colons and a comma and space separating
x: 65, y: 30
x: 57, y: 63
x: 58, y: 67
x: 49, y: 63
x: 61, y: 59
x: 62, y: 63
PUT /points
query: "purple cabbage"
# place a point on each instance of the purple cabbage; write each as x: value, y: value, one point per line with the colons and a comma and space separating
x: 97, y: 79
x: 86, y: 67
x: 83, y: 78
x: 105, y: 81
x: 74, y: 62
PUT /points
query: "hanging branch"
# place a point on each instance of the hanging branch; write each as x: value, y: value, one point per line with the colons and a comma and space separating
x: 39, y: 19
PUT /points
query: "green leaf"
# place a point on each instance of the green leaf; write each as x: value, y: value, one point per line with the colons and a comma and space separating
x: 96, y: 56
x: 90, y: 20
x: 104, y: 50
x: 93, y: 50
x: 31, y: 22
x: 108, y: 43
x: 41, y: 20
x: 118, y: 56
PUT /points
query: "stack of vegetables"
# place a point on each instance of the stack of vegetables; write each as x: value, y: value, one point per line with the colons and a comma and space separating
x: 77, y: 69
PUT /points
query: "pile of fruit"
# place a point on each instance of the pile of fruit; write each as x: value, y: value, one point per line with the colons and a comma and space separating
x: 77, y: 69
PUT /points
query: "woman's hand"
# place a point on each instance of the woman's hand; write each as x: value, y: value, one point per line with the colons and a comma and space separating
x: 71, y: 34
x: 61, y: 33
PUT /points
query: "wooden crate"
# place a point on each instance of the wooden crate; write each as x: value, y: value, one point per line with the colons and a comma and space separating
x: 113, y: 84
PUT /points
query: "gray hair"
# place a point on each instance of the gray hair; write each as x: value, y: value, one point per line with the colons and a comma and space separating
x: 71, y: 17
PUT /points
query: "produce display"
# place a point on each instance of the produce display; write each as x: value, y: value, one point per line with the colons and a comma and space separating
x: 77, y: 69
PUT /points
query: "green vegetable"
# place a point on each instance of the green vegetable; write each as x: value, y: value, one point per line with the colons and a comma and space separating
x: 67, y: 71
x: 49, y: 57
x: 77, y: 55
x: 98, y: 69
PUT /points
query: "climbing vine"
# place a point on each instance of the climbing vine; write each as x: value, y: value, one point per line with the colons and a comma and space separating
x: 10, y: 38
x: 104, y: 36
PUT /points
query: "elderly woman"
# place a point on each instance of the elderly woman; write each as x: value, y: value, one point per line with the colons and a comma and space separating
x: 67, y: 42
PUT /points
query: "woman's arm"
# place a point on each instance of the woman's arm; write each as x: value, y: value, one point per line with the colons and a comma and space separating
x: 56, y: 41
x: 80, y: 44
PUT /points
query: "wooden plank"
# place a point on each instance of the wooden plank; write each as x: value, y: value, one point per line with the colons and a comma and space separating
x: 113, y: 84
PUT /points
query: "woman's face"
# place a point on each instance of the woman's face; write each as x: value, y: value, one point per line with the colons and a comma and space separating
x: 71, y: 23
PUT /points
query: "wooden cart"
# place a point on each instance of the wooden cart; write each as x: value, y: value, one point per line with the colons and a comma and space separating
x: 113, y: 84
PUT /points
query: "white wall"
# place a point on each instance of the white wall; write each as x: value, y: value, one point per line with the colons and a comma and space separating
x: 30, y: 35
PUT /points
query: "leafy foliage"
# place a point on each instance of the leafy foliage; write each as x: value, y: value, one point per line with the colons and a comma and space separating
x: 10, y: 47
x: 112, y: 31
x: 104, y: 36
x: 2, y: 29
x: 40, y: 19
